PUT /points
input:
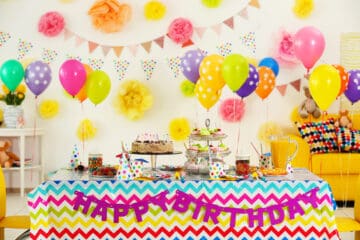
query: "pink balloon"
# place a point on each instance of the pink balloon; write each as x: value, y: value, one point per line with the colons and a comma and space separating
x: 72, y: 76
x: 309, y: 44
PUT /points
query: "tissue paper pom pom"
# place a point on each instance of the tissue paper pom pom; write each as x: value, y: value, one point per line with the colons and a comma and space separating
x: 86, y: 130
x: 51, y: 24
x: 187, y: 88
x: 154, y: 10
x: 211, y: 3
x: 133, y: 99
x: 48, y: 109
x: 303, y: 8
x: 284, y: 49
x: 180, y: 30
x: 268, y: 130
x: 179, y: 129
x: 109, y: 15
x: 232, y: 109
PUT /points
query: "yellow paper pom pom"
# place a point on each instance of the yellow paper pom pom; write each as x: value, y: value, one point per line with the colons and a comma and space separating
x: 267, y: 130
x: 179, y: 129
x: 86, y: 130
x: 48, y: 109
x: 303, y: 8
x: 154, y: 10
x: 133, y: 99
x: 187, y: 88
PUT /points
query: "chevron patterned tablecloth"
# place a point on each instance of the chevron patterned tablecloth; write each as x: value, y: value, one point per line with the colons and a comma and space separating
x: 289, y: 208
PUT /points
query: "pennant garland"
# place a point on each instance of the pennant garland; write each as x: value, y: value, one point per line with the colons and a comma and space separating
x: 148, y: 67
x: 244, y: 13
x: 249, y: 41
x: 200, y: 31
x: 96, y: 63
x: 121, y: 67
x: 229, y: 22
x: 48, y: 55
x: 282, y: 89
x: 296, y: 84
x: 224, y: 49
x: 174, y: 64
x: 69, y: 56
x: 4, y: 37
x: 24, y: 48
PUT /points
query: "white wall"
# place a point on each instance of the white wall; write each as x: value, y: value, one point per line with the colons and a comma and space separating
x: 19, y: 18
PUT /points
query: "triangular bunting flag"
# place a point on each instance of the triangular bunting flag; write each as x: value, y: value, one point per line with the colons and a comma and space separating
x: 105, y: 50
x: 282, y: 89
x: 174, y: 64
x: 296, y: 84
x: 229, y: 22
x: 67, y: 34
x: 48, y: 55
x: 146, y: 46
x: 187, y: 43
x: 118, y: 50
x: 96, y: 63
x: 68, y: 56
x: 224, y: 49
x: 160, y: 41
x: 148, y: 67
x: 4, y: 37
x: 249, y: 40
x: 121, y: 67
x: 78, y: 41
x: 217, y: 28
x: 24, y: 48
x: 133, y: 49
x: 200, y: 31
x: 92, y: 46
x: 244, y: 13
x: 254, y: 3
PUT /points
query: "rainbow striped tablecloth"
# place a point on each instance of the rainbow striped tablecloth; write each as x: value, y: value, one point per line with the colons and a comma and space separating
x: 281, y: 209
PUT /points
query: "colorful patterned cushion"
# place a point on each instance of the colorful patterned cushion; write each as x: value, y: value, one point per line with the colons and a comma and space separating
x: 321, y: 136
x: 348, y: 139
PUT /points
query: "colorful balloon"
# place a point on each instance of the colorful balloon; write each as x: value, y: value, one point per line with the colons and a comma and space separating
x: 81, y: 95
x: 353, y: 89
x: 250, y: 84
x: 72, y: 76
x: 309, y: 45
x: 266, y: 82
x: 11, y: 74
x: 206, y: 95
x: 324, y: 85
x: 98, y: 86
x: 344, y: 78
x: 210, y: 71
x: 270, y: 63
x: 235, y: 70
x: 37, y: 77
x: 190, y: 64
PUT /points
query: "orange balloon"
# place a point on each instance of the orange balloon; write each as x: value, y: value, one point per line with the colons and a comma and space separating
x: 210, y: 71
x: 344, y: 78
x: 266, y: 82
x: 206, y: 95
x: 81, y: 95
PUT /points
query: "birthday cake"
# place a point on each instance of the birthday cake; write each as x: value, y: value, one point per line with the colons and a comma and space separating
x: 151, y: 143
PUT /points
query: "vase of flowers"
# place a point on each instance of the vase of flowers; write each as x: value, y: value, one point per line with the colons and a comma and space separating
x: 13, y: 112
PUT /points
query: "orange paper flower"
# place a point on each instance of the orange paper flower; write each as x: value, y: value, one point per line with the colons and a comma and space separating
x: 109, y: 15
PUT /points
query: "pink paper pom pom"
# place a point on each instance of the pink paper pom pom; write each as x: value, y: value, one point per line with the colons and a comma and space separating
x: 51, y: 24
x: 180, y: 30
x: 232, y: 109
x: 284, y: 49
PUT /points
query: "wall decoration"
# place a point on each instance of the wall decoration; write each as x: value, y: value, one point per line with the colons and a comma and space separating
x: 232, y: 109
x: 48, y: 108
x: 224, y: 49
x: 284, y: 50
x: 303, y: 8
x: 86, y: 130
x: 148, y: 67
x: 23, y: 48
x: 96, y: 63
x: 121, y: 67
x: 187, y: 88
x: 174, y: 65
x: 109, y: 15
x: 154, y: 10
x: 4, y: 37
x: 249, y: 40
x: 48, y: 55
x: 179, y: 129
x: 180, y: 30
x: 51, y: 24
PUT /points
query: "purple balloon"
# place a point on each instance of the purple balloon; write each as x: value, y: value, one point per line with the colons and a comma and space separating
x: 37, y: 77
x: 353, y: 89
x: 250, y: 83
x: 190, y: 64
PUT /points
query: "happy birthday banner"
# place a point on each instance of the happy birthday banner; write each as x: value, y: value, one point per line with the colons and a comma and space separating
x: 276, y: 213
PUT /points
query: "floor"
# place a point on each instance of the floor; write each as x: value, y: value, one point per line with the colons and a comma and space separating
x: 17, y: 205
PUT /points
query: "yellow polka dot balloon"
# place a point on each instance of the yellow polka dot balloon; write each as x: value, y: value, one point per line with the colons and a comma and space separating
x: 210, y: 71
x: 206, y: 95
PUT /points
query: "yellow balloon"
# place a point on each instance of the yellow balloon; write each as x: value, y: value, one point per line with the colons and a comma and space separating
x: 206, y: 95
x: 210, y: 71
x: 324, y: 85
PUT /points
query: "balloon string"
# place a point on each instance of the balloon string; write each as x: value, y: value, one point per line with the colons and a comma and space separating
x: 34, y: 145
x: 82, y: 136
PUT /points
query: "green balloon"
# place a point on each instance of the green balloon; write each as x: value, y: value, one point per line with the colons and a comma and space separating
x: 11, y: 74
x: 98, y: 86
x: 235, y: 71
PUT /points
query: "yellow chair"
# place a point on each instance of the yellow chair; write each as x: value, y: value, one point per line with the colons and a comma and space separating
x: 18, y: 221
x: 347, y: 224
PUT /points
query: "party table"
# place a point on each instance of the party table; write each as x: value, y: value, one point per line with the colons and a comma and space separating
x: 296, y: 206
